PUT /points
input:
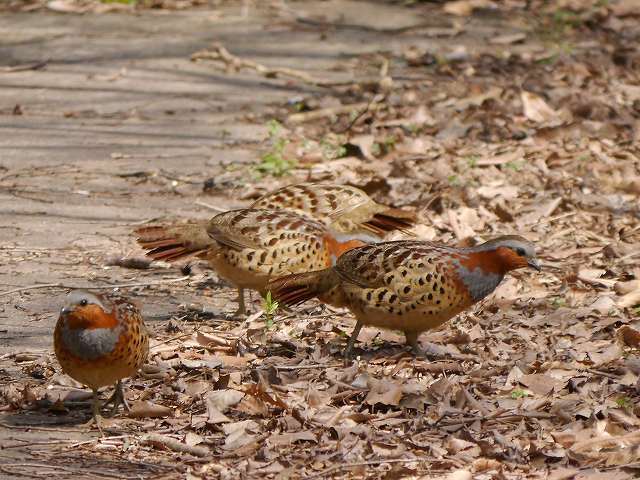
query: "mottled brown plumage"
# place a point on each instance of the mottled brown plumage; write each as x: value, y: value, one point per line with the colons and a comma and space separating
x: 248, y: 247
x: 98, y: 341
x: 410, y: 286
x: 343, y: 208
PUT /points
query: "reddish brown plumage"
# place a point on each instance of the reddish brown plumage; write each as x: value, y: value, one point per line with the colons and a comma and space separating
x: 248, y: 247
x: 174, y: 242
x: 91, y: 317
x: 98, y: 341
x: 408, y: 285
x: 343, y: 208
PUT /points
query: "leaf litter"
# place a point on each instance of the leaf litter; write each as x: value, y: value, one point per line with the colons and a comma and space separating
x: 541, y: 380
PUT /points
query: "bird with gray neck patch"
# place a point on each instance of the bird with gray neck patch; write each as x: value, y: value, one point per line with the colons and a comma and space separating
x: 98, y: 341
x: 410, y: 286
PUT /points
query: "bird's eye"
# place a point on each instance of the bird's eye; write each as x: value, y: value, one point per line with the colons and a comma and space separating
x: 520, y: 251
x: 83, y: 302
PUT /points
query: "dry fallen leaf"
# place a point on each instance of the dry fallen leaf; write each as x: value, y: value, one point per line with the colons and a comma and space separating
x: 146, y: 409
x: 223, y: 400
x: 464, y: 8
x: 536, y: 109
x: 384, y: 392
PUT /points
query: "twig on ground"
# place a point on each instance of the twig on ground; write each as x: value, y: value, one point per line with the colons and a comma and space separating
x: 33, y: 427
x: 175, y: 445
x: 333, y: 111
x: 23, y: 68
x: 359, y: 115
x: 100, y: 287
x: 210, y: 207
x: 362, y: 464
x: 504, y: 416
x: 218, y: 53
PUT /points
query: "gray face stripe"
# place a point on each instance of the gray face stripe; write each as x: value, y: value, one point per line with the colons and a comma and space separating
x: 90, y: 344
x: 76, y: 296
x: 478, y: 282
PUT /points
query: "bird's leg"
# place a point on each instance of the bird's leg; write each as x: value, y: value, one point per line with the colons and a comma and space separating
x: 117, y: 398
x: 95, y: 411
x: 242, y: 311
x: 412, y: 341
x: 352, y: 340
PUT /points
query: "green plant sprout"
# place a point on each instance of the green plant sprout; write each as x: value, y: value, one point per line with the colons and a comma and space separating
x: 270, y: 308
x: 519, y: 393
x: 273, y: 162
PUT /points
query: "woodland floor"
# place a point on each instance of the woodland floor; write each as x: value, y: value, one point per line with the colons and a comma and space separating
x: 486, y: 121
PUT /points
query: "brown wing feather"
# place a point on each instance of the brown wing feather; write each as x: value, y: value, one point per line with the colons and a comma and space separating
x: 174, y: 242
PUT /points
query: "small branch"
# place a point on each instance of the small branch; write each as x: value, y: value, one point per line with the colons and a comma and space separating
x: 359, y: 115
x: 175, y: 445
x: 34, y: 427
x: 84, y: 287
x: 210, y: 207
x: 221, y: 54
x: 218, y: 53
x: 334, y: 111
x: 26, y: 67
x: 362, y: 464
x: 505, y: 416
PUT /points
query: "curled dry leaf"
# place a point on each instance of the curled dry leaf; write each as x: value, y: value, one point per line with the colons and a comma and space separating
x: 458, y: 475
x: 239, y: 434
x: 628, y: 336
x: 464, y: 8
x: 536, y: 109
x: 539, y: 383
x: 175, y: 445
x: 290, y: 438
x: 223, y: 400
x: 384, y: 392
x: 147, y: 409
x: 632, y: 297
x: 594, y: 276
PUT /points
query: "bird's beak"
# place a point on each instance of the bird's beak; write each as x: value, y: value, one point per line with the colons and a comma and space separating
x: 533, y: 263
x: 65, y: 311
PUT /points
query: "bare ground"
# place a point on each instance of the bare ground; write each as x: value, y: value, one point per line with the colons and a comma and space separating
x: 499, y: 122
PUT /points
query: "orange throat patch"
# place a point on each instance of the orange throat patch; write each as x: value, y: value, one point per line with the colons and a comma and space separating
x: 90, y: 317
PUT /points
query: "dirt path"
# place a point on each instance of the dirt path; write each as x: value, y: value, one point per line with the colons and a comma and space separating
x: 120, y: 128
x: 500, y: 122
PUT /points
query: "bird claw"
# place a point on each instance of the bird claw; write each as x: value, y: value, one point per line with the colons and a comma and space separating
x: 117, y: 398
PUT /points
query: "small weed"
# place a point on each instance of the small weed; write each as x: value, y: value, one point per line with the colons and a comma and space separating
x: 558, y: 302
x: 376, y: 149
x: 454, y: 180
x: 519, y: 393
x: 273, y: 162
x: 566, y: 18
x: 413, y: 128
x: 270, y: 308
x: 472, y: 160
x: 390, y: 143
x: 515, y: 166
x: 624, y: 402
x: 331, y: 150
x: 550, y: 60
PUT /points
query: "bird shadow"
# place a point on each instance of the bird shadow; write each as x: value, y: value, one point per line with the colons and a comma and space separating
x: 41, y: 418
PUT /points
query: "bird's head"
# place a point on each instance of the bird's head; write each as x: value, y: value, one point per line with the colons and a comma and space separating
x: 84, y: 309
x: 513, y: 252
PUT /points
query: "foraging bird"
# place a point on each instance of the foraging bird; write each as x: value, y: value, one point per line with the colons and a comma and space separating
x: 99, y: 341
x: 248, y: 247
x: 411, y: 286
x: 343, y: 208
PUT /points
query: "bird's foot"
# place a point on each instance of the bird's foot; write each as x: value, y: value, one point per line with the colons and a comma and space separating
x: 117, y: 399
